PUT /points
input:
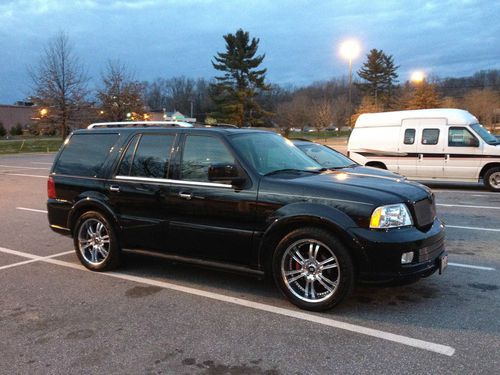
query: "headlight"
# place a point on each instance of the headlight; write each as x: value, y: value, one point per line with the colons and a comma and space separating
x: 392, y: 216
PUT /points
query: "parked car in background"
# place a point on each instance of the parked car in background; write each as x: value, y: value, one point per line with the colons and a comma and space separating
x: 332, y: 159
x: 428, y: 145
x: 241, y: 199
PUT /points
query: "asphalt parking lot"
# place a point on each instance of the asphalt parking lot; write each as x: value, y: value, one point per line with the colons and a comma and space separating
x: 154, y: 316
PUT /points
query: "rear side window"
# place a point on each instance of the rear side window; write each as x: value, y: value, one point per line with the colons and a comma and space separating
x: 430, y: 136
x: 147, y: 156
x: 84, y: 154
x: 409, y: 137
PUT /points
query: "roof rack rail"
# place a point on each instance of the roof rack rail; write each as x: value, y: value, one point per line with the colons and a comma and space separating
x: 131, y: 124
x: 220, y: 125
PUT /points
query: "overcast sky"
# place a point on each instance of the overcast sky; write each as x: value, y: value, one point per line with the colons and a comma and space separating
x: 165, y: 38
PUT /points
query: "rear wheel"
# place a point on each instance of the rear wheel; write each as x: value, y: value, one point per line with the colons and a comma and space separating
x: 313, y: 269
x: 492, y: 179
x: 95, y: 241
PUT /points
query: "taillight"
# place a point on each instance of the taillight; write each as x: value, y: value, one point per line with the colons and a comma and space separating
x: 51, y: 188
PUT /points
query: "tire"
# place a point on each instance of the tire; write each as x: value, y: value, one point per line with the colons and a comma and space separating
x: 492, y: 179
x: 96, y: 243
x: 313, y: 269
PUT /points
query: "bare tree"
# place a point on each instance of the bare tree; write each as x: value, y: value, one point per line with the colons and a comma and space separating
x: 121, y: 96
x: 322, y: 113
x: 59, y: 82
x: 483, y: 104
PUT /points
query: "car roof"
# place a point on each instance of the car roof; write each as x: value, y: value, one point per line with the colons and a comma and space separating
x: 154, y: 129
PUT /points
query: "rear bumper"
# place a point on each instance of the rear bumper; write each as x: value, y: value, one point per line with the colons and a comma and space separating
x: 58, y: 212
x: 380, y: 252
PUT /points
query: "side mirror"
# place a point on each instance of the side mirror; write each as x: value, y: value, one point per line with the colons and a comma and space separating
x: 225, y: 172
x: 474, y: 142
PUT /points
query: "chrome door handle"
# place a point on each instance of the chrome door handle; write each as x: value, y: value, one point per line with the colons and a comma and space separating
x: 447, y: 157
x: 114, y: 188
x: 420, y: 157
x: 187, y: 196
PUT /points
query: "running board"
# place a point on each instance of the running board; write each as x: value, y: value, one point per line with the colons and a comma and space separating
x: 200, y: 262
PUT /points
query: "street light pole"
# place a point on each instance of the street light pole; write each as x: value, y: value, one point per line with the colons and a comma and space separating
x: 349, y: 50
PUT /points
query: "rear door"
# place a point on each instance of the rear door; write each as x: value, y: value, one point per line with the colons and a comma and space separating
x: 407, y: 150
x: 430, y: 150
x: 140, y: 188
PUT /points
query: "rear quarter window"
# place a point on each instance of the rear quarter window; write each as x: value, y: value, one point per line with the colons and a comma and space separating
x: 85, y: 154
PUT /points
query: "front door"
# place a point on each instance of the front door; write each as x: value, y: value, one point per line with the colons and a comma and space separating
x: 212, y: 220
x: 463, y: 155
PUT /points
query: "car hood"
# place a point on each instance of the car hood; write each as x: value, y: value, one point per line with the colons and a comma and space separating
x: 370, y: 171
x: 362, y: 187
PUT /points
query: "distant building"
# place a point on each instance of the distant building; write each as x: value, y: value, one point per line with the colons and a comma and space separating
x: 24, y: 114
x: 168, y: 116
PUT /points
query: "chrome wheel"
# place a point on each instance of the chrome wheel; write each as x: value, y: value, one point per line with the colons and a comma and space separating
x: 310, y: 270
x: 93, y: 241
x: 494, y: 180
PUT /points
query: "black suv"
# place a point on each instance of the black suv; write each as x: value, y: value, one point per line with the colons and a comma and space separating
x: 243, y: 199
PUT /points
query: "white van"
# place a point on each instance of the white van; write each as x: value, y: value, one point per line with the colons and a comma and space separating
x: 428, y: 144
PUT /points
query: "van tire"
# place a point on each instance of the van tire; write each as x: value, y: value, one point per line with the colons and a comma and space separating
x: 491, y: 179
x: 376, y: 165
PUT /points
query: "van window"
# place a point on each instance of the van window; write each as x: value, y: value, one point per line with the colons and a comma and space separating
x: 84, y: 154
x: 151, y: 157
x: 430, y: 136
x: 199, y: 153
x: 409, y: 137
x: 461, y: 137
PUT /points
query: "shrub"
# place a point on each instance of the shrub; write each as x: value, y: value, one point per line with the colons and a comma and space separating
x: 16, y: 130
x: 3, y: 132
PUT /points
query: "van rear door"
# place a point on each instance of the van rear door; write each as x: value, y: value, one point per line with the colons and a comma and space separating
x: 407, y: 149
x: 430, y: 149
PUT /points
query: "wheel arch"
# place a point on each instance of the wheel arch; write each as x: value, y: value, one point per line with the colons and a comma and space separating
x: 486, y: 167
x: 91, y: 203
x: 331, y: 220
x: 376, y: 164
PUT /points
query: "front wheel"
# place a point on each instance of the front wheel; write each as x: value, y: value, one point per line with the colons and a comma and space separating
x: 96, y: 243
x: 492, y: 179
x: 313, y: 269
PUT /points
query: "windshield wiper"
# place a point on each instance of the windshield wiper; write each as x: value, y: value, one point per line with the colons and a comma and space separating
x: 293, y: 170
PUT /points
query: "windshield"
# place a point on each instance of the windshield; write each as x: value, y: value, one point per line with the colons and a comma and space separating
x: 325, y: 156
x: 268, y: 152
x: 485, y: 134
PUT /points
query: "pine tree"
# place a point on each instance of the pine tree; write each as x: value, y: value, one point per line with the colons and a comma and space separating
x: 425, y: 96
x: 234, y: 93
x: 380, y: 74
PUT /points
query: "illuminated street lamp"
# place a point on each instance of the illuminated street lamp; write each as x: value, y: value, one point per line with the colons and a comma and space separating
x: 43, y: 112
x: 349, y: 50
x: 417, y: 76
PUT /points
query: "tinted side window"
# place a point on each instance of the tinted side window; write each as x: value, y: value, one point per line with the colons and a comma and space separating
x: 461, y: 137
x: 151, y: 157
x: 199, y: 153
x: 409, y: 137
x: 126, y: 162
x: 430, y: 136
x: 84, y: 154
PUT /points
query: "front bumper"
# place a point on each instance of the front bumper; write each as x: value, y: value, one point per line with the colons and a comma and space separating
x: 379, y: 255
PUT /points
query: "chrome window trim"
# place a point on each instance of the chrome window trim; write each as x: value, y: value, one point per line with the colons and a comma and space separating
x: 176, y: 182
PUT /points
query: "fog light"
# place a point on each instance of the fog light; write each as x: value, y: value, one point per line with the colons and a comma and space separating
x: 407, y: 257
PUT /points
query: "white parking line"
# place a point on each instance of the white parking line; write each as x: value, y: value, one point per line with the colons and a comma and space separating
x: 25, y: 175
x: 34, y: 259
x: 405, y: 340
x: 467, y: 206
x: 473, y: 228
x: 40, y: 162
x: 463, y: 191
x: 31, y: 209
x: 471, y: 266
x: 19, y: 167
